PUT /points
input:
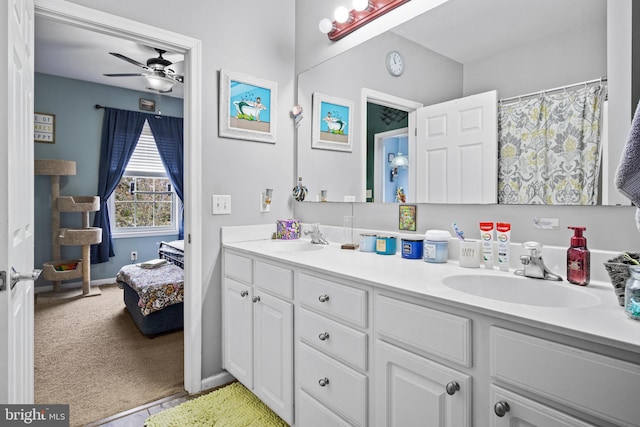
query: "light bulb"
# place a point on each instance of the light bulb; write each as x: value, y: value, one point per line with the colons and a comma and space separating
x: 360, y: 5
x: 341, y: 15
x: 325, y: 25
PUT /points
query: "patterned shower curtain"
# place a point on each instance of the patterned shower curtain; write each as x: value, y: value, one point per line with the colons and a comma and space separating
x: 549, y: 148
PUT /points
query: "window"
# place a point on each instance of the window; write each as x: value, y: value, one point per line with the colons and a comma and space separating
x: 144, y: 202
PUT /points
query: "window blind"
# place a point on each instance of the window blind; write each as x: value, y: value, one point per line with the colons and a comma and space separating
x: 145, y: 160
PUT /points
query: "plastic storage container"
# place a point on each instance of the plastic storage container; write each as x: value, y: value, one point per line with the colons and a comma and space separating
x: 632, y: 293
x: 368, y: 242
x: 436, y: 246
x: 386, y: 245
x: 412, y: 247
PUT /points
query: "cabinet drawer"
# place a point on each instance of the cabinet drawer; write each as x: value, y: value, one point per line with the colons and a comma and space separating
x: 345, y: 390
x: 568, y: 375
x: 312, y: 413
x: 433, y: 331
x: 274, y: 279
x: 238, y: 267
x: 342, y: 342
x: 334, y: 299
x: 526, y: 412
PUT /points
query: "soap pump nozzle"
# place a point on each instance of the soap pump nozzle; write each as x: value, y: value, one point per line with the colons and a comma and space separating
x: 578, y: 240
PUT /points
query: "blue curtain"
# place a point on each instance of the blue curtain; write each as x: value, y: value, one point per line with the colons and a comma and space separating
x: 169, y: 136
x: 120, y: 133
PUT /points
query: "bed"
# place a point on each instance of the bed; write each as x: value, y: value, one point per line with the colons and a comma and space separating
x: 154, y: 295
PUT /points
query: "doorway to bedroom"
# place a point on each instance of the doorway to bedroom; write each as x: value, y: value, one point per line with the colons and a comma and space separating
x: 83, y: 320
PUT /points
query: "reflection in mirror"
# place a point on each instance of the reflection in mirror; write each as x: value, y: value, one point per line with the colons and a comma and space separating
x: 460, y: 48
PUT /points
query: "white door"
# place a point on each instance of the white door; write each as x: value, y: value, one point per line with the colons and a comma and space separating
x: 457, y: 150
x: 414, y: 391
x: 16, y: 201
x: 273, y: 341
x: 238, y: 331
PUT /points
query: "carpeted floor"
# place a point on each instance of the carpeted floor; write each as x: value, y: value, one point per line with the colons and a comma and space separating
x: 90, y: 354
x: 229, y: 406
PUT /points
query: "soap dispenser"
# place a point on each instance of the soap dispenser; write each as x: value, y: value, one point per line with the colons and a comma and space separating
x: 578, y: 258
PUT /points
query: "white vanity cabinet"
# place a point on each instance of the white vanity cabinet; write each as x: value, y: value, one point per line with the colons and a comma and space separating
x: 332, y: 384
x: 410, y: 388
x: 258, y: 329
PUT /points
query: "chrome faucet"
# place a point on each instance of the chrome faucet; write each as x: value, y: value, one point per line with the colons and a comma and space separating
x: 533, y: 266
x: 316, y: 235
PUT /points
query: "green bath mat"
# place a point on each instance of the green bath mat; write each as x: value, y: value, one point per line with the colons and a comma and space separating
x: 230, y: 406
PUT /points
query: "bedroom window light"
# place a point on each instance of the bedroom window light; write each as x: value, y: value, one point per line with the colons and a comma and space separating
x: 144, y: 202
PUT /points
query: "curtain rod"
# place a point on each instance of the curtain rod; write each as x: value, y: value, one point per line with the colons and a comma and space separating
x: 158, y: 114
x: 555, y: 89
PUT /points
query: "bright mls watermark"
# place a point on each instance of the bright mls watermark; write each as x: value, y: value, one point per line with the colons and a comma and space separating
x: 34, y: 415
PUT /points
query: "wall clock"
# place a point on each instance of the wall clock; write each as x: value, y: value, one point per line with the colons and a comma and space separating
x: 395, y: 63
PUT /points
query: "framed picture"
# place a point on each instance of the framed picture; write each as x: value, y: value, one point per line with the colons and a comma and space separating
x: 248, y: 107
x: 44, y: 127
x: 147, y: 105
x: 332, y: 123
x: 407, y: 220
x: 390, y: 157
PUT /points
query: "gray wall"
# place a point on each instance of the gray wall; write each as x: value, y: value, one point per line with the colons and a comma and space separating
x: 78, y: 129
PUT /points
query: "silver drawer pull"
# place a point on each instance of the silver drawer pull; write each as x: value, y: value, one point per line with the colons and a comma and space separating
x: 323, y: 382
x: 501, y: 408
x: 323, y: 298
x: 244, y: 293
x: 452, y: 387
x: 256, y: 299
x: 324, y: 336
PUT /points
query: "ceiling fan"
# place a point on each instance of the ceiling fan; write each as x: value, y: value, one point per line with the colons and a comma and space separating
x: 161, y: 74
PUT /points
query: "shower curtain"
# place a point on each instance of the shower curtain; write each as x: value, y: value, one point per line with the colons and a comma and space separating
x: 549, y: 148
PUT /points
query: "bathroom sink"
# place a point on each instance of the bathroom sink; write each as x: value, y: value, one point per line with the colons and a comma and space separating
x: 293, y: 246
x: 523, y: 290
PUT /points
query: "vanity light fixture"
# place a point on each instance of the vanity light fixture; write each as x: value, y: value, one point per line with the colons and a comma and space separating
x: 364, y: 11
x: 265, y: 200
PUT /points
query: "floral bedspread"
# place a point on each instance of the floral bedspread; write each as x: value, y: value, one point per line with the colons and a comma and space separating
x: 157, y: 287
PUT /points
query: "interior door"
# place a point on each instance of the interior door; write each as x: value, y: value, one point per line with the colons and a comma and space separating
x: 16, y: 201
x: 457, y: 150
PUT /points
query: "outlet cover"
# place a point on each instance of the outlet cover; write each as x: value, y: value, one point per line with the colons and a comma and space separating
x: 220, y: 204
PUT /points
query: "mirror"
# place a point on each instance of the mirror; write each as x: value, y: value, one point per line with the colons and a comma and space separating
x: 460, y: 48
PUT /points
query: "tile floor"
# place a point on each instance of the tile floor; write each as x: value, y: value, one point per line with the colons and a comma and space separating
x: 137, y: 416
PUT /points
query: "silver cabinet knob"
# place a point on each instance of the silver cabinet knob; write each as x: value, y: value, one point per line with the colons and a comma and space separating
x: 323, y: 382
x: 244, y: 293
x: 256, y: 299
x: 452, y: 387
x: 324, y: 336
x: 501, y: 408
x: 323, y: 298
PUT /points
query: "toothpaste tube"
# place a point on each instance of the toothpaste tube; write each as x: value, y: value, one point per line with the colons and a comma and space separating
x: 504, y: 241
x: 486, y: 236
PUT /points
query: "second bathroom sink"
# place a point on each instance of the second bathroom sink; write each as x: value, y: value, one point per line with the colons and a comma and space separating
x: 521, y: 290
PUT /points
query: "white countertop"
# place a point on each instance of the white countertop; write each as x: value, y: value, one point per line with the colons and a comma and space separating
x: 604, y: 323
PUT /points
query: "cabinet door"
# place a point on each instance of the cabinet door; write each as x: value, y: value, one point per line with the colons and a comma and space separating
x: 238, y: 327
x: 516, y: 410
x: 411, y: 390
x: 273, y: 380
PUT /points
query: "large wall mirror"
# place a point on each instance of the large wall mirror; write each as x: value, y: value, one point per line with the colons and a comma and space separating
x: 458, y: 49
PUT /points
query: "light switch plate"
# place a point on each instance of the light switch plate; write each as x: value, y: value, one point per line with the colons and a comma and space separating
x: 220, y: 204
x: 546, y: 223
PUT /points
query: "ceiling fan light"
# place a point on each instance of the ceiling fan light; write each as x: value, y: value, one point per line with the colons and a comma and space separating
x: 400, y: 161
x: 159, y: 83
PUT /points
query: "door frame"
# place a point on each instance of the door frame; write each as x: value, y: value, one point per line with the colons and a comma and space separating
x: 387, y: 100
x: 94, y: 20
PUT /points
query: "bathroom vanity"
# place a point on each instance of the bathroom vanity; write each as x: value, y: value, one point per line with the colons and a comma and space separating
x: 331, y: 337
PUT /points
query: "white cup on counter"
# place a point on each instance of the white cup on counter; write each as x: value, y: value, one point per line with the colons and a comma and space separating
x: 470, y: 253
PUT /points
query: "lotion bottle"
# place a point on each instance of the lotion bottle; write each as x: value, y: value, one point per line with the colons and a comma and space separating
x: 578, y: 258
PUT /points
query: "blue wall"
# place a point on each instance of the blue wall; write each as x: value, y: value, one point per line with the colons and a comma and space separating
x: 78, y: 125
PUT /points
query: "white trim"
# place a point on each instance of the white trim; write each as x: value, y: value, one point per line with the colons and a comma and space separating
x: 381, y: 98
x: 94, y: 20
x: 217, y: 380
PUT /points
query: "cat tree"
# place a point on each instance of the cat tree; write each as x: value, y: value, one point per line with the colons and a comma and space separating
x: 59, y: 270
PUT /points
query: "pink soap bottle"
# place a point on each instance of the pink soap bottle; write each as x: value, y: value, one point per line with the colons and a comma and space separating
x: 578, y: 259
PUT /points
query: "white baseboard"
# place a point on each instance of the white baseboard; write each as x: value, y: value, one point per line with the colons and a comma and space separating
x: 75, y: 285
x: 217, y: 380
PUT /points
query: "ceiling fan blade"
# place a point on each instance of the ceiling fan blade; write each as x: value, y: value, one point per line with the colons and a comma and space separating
x: 125, y: 75
x: 129, y: 60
